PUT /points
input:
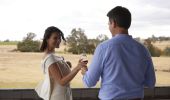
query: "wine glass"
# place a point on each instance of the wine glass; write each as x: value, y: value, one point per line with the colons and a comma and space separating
x: 83, y: 57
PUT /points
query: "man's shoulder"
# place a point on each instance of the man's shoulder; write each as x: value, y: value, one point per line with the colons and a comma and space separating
x: 107, y: 44
x: 140, y: 44
x: 115, y: 43
x: 143, y: 48
x: 110, y: 42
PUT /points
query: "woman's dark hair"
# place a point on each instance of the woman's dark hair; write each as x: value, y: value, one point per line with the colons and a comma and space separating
x: 47, y: 34
x: 121, y: 16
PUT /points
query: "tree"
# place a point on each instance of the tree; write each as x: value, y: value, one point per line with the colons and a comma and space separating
x: 100, y: 38
x: 7, y: 40
x: 160, y: 38
x: 166, y: 51
x: 28, y: 44
x: 77, y: 41
x: 30, y: 36
x: 154, y: 39
x: 154, y: 51
x: 138, y: 39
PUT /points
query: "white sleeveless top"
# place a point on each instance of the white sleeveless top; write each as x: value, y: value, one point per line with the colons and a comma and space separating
x: 47, y: 89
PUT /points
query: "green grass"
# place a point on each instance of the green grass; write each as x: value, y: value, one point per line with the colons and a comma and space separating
x: 9, y: 43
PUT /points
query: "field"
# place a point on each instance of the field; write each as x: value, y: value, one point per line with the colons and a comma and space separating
x: 8, y: 43
x: 22, y: 70
x: 162, y: 45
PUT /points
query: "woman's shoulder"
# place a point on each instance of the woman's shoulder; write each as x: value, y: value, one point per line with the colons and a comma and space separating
x: 46, y: 57
x: 50, y: 58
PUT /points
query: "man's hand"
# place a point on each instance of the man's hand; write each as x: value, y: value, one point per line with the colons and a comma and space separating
x: 83, y: 70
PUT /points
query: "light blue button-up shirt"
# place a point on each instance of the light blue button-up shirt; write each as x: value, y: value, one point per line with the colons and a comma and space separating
x: 125, y: 67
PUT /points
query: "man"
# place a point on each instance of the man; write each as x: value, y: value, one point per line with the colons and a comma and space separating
x: 124, y: 65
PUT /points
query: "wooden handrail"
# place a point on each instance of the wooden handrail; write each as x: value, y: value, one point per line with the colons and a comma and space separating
x: 162, y: 93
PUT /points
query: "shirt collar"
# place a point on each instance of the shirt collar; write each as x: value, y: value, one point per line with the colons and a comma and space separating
x: 122, y: 35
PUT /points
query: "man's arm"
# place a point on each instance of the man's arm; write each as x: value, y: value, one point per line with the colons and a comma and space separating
x: 93, y: 74
x: 150, y: 78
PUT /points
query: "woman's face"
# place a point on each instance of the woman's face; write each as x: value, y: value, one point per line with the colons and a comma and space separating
x: 54, y: 40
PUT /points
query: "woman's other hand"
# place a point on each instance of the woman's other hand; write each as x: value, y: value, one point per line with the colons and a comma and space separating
x: 69, y: 63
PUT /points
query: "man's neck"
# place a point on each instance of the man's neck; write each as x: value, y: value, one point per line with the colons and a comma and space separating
x: 120, y: 31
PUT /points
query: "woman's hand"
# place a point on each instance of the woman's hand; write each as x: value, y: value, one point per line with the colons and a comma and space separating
x: 81, y: 64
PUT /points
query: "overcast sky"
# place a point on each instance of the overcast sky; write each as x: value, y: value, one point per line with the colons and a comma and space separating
x: 18, y: 17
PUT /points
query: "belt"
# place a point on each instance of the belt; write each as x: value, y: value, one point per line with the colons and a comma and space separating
x: 136, y: 99
x: 130, y: 99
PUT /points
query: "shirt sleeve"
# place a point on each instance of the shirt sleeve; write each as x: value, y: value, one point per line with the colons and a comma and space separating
x: 50, y: 60
x: 150, y: 78
x: 95, y: 69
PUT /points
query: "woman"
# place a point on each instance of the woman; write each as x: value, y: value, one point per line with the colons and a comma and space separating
x: 57, y: 72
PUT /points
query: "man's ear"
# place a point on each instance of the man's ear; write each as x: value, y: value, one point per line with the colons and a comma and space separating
x: 112, y: 23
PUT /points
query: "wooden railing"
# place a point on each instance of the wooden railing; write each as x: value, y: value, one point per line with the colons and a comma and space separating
x: 158, y: 93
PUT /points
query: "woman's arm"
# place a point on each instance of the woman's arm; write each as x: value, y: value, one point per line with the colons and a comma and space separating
x: 56, y: 74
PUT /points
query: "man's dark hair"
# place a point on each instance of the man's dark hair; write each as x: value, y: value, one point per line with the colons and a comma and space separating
x: 121, y: 16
